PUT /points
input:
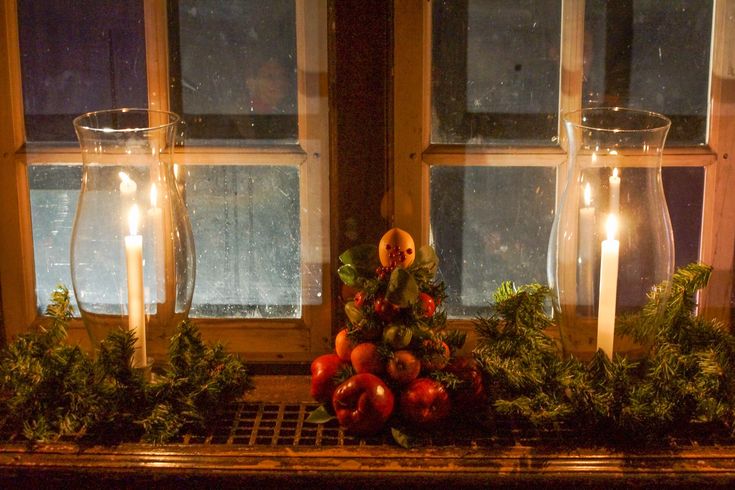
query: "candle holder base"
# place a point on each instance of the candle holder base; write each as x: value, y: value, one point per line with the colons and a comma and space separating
x: 579, y: 339
x: 147, y: 370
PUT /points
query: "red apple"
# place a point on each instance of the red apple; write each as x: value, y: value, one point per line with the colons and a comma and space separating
x: 360, y: 298
x: 424, y: 403
x: 426, y: 305
x: 366, y: 359
x: 385, y: 310
x: 403, y: 367
x: 363, y: 404
x: 323, y: 371
x: 471, y: 393
x: 343, y: 345
x: 347, y: 292
x: 436, y: 355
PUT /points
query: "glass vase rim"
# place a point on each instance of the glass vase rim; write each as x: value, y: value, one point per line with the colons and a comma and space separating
x: 664, y: 121
x: 172, y: 120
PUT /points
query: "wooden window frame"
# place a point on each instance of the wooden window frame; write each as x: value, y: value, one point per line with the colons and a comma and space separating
x: 414, y: 154
x: 269, y: 340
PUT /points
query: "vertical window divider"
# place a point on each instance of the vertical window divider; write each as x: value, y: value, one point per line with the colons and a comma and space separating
x: 156, y: 43
x: 16, y: 248
x: 313, y: 104
x: 411, y: 116
x: 718, y: 221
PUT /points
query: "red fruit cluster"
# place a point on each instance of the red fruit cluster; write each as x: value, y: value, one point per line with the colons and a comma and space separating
x: 388, y: 358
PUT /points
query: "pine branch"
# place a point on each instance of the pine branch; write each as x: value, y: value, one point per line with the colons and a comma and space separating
x: 50, y: 390
x: 688, y: 377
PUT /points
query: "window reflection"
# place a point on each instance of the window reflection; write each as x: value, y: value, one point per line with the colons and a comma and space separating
x: 495, y: 72
x: 653, y: 56
x: 233, y: 71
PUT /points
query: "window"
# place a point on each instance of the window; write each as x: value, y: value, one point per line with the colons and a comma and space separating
x: 480, y: 87
x: 247, y: 79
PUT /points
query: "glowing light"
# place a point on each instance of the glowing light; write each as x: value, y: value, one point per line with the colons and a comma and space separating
x: 611, y: 226
x: 133, y: 218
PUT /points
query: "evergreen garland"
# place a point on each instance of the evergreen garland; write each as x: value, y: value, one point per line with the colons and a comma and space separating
x: 50, y: 390
x: 687, y: 381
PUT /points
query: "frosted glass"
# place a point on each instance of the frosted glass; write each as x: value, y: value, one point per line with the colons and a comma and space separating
x: 489, y: 225
x: 246, y: 222
x: 54, y: 190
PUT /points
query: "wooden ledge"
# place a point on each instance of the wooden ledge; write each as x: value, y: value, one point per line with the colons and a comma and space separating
x: 363, y: 465
x: 367, y: 464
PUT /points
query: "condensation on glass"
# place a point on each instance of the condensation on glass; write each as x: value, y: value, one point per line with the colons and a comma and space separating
x: 488, y: 225
x: 54, y: 190
x: 491, y: 224
x: 495, y: 72
x: 246, y: 223
x: 78, y: 58
x: 233, y: 71
x: 651, y: 55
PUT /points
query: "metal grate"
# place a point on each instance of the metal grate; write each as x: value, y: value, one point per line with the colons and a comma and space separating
x: 284, y: 424
x: 277, y: 424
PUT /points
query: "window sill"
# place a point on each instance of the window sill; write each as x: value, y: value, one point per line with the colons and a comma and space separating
x: 365, y: 463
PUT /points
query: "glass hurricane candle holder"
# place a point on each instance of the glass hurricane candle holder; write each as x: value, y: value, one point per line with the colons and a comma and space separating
x: 132, y: 249
x: 611, y: 241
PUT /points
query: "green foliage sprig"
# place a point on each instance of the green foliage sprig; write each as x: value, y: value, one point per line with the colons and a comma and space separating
x: 686, y: 381
x: 49, y: 389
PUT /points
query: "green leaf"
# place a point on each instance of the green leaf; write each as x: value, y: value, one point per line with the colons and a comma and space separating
x: 349, y: 275
x: 427, y: 260
x: 364, y: 258
x: 402, y: 288
x: 353, y: 313
x: 319, y: 415
x: 400, y: 438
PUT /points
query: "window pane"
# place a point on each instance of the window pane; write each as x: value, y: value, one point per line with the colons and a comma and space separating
x: 233, y: 70
x: 54, y: 192
x: 495, y: 73
x: 684, y: 189
x: 246, y: 224
x: 490, y: 224
x: 78, y: 58
x: 651, y: 55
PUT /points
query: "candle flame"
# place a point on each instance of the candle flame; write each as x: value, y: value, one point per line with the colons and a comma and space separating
x: 133, y: 217
x: 611, y: 226
x: 154, y: 195
x: 124, y: 177
x: 587, y: 195
x: 615, y: 172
